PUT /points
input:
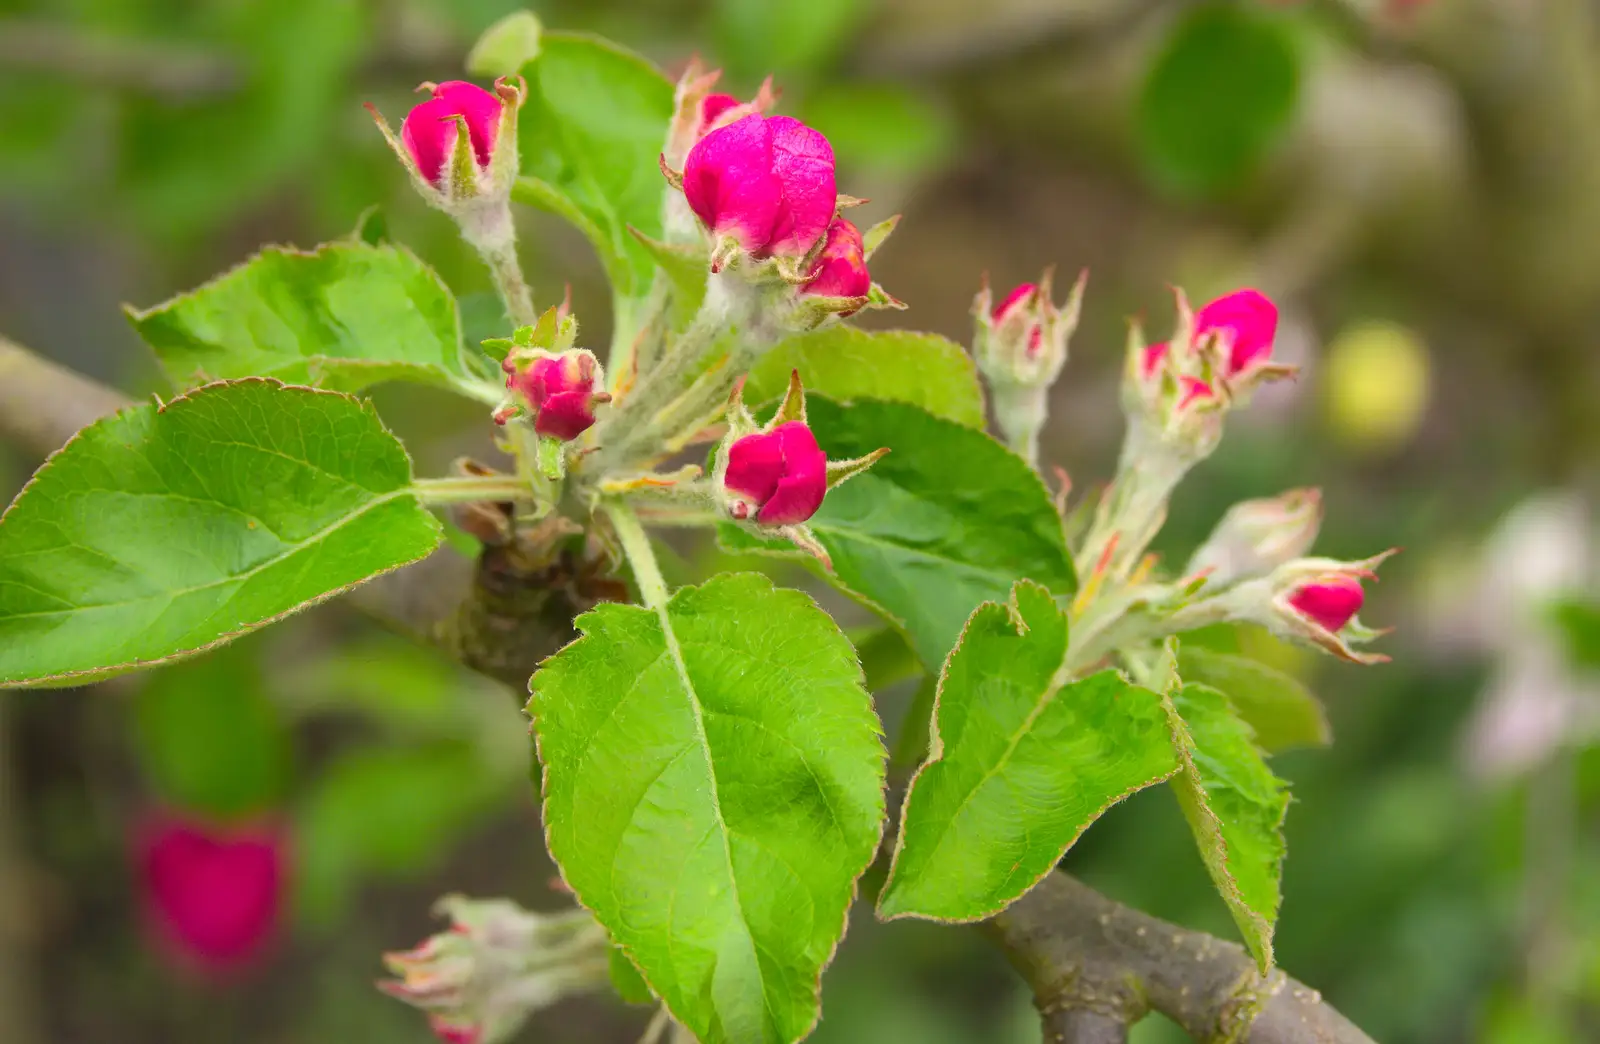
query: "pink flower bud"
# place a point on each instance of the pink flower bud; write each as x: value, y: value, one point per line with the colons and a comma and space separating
x: 781, y: 476
x: 1244, y: 322
x: 765, y: 182
x: 841, y: 269
x: 561, y: 390
x: 715, y: 105
x: 454, y: 1032
x: 1330, y: 602
x: 1015, y: 299
x: 213, y: 895
x: 429, y: 131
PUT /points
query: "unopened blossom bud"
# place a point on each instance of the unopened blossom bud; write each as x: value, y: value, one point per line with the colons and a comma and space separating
x: 776, y: 478
x: 1329, y: 604
x: 1243, y: 324
x: 841, y: 269
x: 497, y: 964
x: 213, y: 895
x: 1020, y: 346
x: 1257, y: 536
x: 560, y: 390
x: 763, y: 185
x: 460, y: 145
x: 697, y: 110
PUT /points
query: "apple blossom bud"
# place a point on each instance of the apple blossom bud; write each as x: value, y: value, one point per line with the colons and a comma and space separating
x: 775, y: 478
x: 1330, y: 603
x: 764, y: 184
x: 841, y: 269
x: 429, y: 131
x: 1243, y: 324
x: 1257, y: 536
x: 1192, y: 390
x: 1154, y: 356
x: 213, y: 895
x: 497, y: 964
x: 561, y: 390
x: 1023, y: 339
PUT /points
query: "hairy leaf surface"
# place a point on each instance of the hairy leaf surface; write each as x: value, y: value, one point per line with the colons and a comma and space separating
x: 344, y: 316
x: 1278, y: 707
x: 1235, y: 806
x: 713, y: 788
x: 163, y: 530
x: 1021, y: 762
x: 845, y: 363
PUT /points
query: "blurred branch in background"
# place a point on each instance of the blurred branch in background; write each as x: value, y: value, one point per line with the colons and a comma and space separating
x: 18, y: 911
x: 108, y: 59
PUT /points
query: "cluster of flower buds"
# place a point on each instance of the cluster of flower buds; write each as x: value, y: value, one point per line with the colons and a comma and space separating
x: 763, y: 189
x: 547, y: 378
x: 212, y: 895
x: 496, y: 965
x: 1223, y: 352
x: 773, y: 478
x: 1020, y: 345
x: 460, y: 145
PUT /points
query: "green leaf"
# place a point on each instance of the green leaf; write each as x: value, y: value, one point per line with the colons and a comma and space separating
x: 626, y: 980
x: 163, y: 531
x: 1235, y: 806
x: 506, y: 46
x: 885, y: 657
x: 1021, y: 762
x: 949, y: 519
x: 1221, y: 93
x: 713, y: 789
x: 209, y: 739
x: 387, y: 812
x: 1279, y: 709
x: 589, y: 138
x: 1579, y: 623
x: 343, y: 316
x: 845, y: 363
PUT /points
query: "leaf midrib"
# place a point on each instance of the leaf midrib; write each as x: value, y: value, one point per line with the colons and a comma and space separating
x: 676, y: 652
x: 173, y: 596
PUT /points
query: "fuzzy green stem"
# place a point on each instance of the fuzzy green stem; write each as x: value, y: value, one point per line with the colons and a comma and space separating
x: 636, y: 545
x: 492, y: 232
x: 1020, y: 411
x: 470, y: 488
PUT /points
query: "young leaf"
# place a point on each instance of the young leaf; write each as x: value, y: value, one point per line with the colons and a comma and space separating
x: 949, y: 519
x: 845, y: 363
x: 162, y: 531
x: 713, y: 781
x: 1235, y: 806
x: 1021, y: 762
x: 589, y: 138
x: 343, y: 316
x: 1279, y: 709
x: 506, y: 46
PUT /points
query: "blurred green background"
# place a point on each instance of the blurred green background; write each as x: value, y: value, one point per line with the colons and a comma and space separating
x: 1417, y: 183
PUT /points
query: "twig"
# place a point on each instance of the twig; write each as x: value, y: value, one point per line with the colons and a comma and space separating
x: 1097, y: 966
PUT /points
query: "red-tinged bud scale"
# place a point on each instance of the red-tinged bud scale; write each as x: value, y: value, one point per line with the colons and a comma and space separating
x: 212, y: 894
x: 777, y: 478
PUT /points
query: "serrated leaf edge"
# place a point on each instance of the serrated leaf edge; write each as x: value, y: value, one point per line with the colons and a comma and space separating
x: 1190, y: 791
x: 936, y: 753
x: 544, y: 779
x: 92, y: 674
x: 136, y: 315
